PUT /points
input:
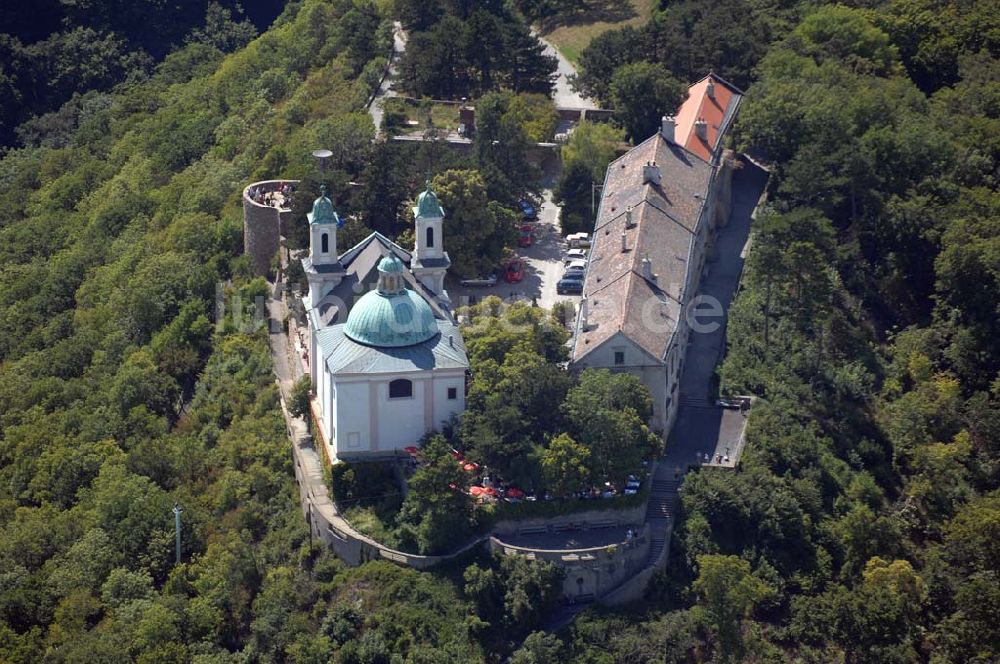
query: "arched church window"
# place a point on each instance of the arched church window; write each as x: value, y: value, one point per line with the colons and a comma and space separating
x: 400, y: 389
x: 324, y: 243
x: 430, y: 237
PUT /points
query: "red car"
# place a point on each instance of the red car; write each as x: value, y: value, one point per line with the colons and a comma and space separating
x: 527, y: 236
x: 515, y: 271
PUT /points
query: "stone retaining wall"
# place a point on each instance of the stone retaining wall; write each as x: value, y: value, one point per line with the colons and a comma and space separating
x: 591, y: 572
x: 325, y: 521
x: 632, y: 589
x: 629, y: 516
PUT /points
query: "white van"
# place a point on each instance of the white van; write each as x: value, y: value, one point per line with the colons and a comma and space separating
x: 578, y: 240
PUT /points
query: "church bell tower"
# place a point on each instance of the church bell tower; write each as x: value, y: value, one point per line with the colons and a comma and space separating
x: 322, y: 267
x: 430, y: 261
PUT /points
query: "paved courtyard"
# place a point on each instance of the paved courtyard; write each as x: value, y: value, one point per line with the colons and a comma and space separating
x: 544, y: 262
x: 568, y: 540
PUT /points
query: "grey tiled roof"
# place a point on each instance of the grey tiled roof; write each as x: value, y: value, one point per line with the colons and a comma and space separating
x: 444, y: 261
x: 326, y: 268
x: 666, y: 218
x: 342, y: 355
x: 360, y: 265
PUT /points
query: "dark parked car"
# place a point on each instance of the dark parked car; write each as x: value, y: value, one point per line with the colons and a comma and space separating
x: 569, y: 285
x: 527, y: 209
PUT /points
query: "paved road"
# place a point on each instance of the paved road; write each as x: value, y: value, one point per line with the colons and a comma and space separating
x: 701, y: 427
x: 544, y: 259
x: 385, y: 90
x: 581, y: 539
x: 563, y: 94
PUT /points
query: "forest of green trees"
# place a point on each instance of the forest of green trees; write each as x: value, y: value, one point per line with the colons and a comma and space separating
x: 863, y: 525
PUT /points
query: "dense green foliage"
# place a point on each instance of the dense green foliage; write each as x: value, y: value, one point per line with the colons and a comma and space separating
x: 53, y: 51
x: 536, y: 425
x: 857, y: 526
x: 687, y: 39
x: 642, y: 93
x: 862, y: 523
x: 119, y: 396
x: 463, y: 49
x: 585, y: 158
x: 478, y: 229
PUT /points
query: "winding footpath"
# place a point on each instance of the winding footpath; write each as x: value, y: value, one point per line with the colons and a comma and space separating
x: 385, y: 88
x: 563, y: 94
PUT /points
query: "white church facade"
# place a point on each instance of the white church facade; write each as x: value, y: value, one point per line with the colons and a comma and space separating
x: 386, y: 358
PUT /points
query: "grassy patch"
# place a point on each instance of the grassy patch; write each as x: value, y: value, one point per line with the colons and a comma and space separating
x: 571, y: 31
x: 366, y: 521
x: 400, y: 112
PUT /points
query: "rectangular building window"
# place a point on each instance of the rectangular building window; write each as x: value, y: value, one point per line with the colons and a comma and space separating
x: 400, y: 389
x: 354, y: 439
x: 452, y: 392
x: 619, y: 357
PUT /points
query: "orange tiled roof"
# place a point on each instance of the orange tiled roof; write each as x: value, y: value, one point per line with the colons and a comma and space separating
x: 620, y: 298
x: 716, y: 110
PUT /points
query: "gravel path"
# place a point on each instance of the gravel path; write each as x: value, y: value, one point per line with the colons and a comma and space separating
x: 563, y: 94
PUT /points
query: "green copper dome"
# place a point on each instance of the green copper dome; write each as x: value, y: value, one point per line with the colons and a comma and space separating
x: 390, y: 265
x: 393, y: 315
x: 323, y: 212
x: 427, y: 204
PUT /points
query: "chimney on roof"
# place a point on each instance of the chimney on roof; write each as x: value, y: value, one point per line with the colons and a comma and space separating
x: 629, y: 218
x: 624, y: 241
x: 651, y: 174
x: 710, y: 88
x: 667, y: 125
x: 583, y: 315
x: 701, y: 128
x: 647, y: 269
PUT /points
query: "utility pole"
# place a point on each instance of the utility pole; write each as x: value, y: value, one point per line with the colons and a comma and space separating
x: 593, y: 202
x: 177, y: 530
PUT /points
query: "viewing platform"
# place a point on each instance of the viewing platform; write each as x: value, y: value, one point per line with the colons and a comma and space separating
x: 267, y: 208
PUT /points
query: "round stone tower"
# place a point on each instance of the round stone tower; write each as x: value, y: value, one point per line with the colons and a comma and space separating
x: 263, y: 222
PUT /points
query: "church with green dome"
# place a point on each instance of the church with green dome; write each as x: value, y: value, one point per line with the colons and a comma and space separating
x: 386, y: 358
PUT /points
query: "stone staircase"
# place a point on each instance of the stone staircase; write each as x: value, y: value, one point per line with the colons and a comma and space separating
x: 660, y: 510
x: 696, y: 403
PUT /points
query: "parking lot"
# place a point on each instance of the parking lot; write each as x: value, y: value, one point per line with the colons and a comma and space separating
x: 543, y: 267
